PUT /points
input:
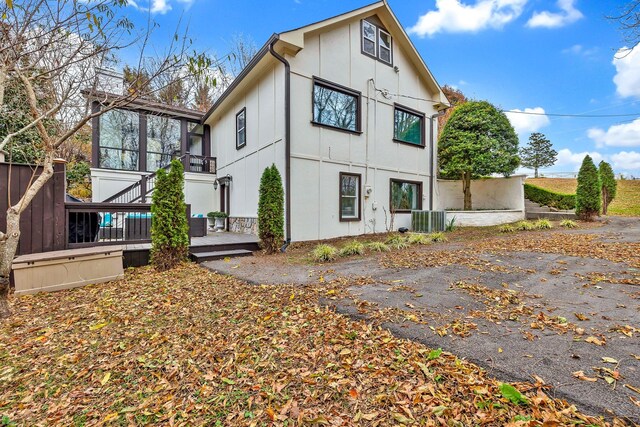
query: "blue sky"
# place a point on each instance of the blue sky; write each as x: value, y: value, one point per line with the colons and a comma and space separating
x: 551, y: 56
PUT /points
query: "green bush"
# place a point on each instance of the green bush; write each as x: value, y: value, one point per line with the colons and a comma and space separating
x: 588, y: 197
x: 378, y: 247
x: 507, y: 228
x: 271, y: 210
x: 567, y: 223
x: 397, y: 241
x: 437, y: 237
x: 524, y: 226
x: 549, y: 198
x: 169, y: 225
x: 418, y: 239
x: 609, y: 185
x: 324, y: 253
x: 543, y: 224
x: 352, y: 248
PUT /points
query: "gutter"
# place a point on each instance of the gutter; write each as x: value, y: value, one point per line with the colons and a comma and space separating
x: 287, y: 140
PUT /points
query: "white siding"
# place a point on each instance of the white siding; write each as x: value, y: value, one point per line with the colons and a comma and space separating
x: 264, y: 103
x: 320, y: 154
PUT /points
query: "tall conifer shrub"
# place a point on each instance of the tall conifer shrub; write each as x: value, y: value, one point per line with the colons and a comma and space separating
x: 271, y: 210
x: 588, y: 192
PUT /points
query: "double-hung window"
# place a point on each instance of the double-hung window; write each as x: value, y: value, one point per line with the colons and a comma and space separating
x: 349, y: 197
x: 408, y: 126
x: 376, y: 42
x: 405, y: 195
x: 335, y: 106
x: 241, y: 129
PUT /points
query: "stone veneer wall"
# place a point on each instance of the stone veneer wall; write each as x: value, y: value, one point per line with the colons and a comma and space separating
x: 243, y: 225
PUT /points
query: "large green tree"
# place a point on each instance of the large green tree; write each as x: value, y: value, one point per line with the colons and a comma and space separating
x: 478, y: 140
x: 538, y: 153
x: 588, y: 191
x: 609, y: 185
x: 169, y: 224
x: 271, y: 210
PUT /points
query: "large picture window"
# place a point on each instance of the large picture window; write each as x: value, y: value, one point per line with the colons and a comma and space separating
x: 336, y: 106
x: 405, y: 195
x: 408, y: 126
x: 163, y: 141
x: 349, y: 197
x: 119, y: 140
x: 241, y: 128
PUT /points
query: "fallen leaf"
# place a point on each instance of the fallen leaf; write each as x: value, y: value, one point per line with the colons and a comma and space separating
x: 609, y: 360
x: 105, y: 379
x: 581, y: 376
x: 594, y: 340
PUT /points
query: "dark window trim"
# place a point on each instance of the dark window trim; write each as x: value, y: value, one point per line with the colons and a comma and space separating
x: 99, y: 147
x: 404, y: 181
x: 243, y: 111
x: 337, y: 88
x: 377, y: 55
x: 423, y: 121
x: 364, y: 52
x: 359, y: 176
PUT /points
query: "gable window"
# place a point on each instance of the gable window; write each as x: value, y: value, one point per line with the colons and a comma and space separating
x: 241, y: 129
x: 376, y: 42
x: 369, y: 38
x: 119, y: 140
x: 349, y: 197
x: 405, y: 195
x: 335, y: 106
x: 408, y: 126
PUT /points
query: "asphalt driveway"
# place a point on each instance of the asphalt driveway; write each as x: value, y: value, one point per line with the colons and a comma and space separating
x: 525, y: 308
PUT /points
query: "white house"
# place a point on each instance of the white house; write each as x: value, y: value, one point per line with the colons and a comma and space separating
x: 345, y: 108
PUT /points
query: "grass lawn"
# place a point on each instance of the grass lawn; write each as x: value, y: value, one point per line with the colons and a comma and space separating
x: 626, y: 203
x: 189, y: 347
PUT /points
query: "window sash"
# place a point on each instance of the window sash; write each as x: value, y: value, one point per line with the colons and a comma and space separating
x: 241, y: 128
x: 384, y: 46
x: 349, y: 197
x: 369, y: 38
x: 405, y: 196
x: 336, y: 107
x: 408, y: 126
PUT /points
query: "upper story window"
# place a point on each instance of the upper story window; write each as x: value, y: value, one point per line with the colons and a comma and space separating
x: 241, y: 129
x: 408, y: 126
x: 163, y: 141
x: 195, y: 135
x: 335, y: 106
x: 119, y: 140
x: 376, y: 42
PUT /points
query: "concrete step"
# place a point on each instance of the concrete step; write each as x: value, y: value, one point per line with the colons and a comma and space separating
x: 200, y: 257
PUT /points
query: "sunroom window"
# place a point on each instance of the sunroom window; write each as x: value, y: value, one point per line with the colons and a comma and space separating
x: 119, y: 140
x: 163, y: 141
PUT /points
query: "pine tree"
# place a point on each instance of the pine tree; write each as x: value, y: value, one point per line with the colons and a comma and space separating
x: 609, y: 185
x: 588, y: 192
x: 169, y: 224
x: 538, y: 153
x: 271, y: 210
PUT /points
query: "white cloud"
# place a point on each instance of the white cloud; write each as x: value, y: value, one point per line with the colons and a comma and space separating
x: 157, y: 6
x: 626, y: 161
x: 622, y: 135
x: 453, y: 16
x: 568, y: 15
x: 572, y: 161
x: 525, y: 123
x: 627, y: 78
x: 160, y: 6
x: 578, y: 49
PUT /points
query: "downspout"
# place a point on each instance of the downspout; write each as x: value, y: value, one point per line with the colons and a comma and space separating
x: 434, y: 157
x: 287, y: 143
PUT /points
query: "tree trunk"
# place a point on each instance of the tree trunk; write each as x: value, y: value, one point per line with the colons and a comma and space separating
x: 536, y: 172
x: 466, y: 189
x: 605, y: 201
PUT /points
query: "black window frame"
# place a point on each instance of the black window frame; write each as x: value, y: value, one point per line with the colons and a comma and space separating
x: 317, y: 81
x: 163, y: 156
x: 377, y: 56
x: 138, y: 151
x: 243, y: 111
x: 358, y: 197
x: 405, y: 181
x: 413, y: 112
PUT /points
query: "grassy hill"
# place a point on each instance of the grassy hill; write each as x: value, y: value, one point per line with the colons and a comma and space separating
x: 626, y: 203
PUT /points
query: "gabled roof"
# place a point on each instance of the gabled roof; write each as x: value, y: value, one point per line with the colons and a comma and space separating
x: 292, y: 42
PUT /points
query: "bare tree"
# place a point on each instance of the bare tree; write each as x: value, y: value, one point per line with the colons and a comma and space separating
x: 59, y: 43
x: 243, y: 49
x: 629, y: 21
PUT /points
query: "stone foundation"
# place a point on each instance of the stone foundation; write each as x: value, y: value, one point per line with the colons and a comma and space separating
x: 243, y: 225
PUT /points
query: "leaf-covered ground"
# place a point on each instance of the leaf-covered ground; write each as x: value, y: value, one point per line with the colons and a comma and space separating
x: 189, y: 347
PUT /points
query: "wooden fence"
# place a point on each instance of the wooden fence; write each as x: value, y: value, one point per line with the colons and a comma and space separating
x: 42, y: 224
